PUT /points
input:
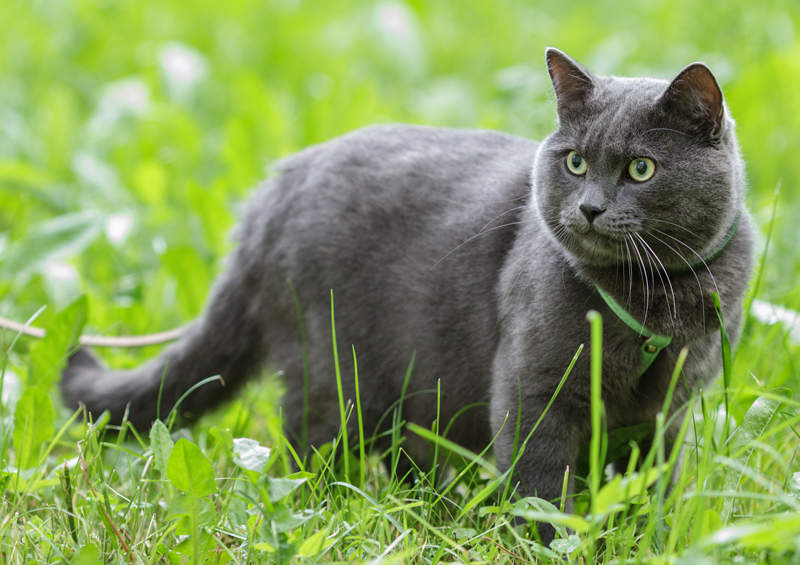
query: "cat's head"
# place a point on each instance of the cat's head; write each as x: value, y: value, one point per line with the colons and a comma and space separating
x: 638, y: 167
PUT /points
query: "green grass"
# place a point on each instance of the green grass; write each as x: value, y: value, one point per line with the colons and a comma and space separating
x: 120, y: 183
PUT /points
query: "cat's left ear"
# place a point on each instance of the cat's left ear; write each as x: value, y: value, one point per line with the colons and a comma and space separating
x: 571, y: 82
x: 694, y: 97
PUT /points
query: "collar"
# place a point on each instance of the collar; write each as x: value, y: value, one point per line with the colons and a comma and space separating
x: 653, y: 343
x: 701, y: 261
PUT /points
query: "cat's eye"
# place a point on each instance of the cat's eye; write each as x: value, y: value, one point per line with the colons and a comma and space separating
x: 575, y: 163
x: 642, y: 169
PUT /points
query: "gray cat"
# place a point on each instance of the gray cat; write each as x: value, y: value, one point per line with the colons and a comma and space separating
x: 479, y: 253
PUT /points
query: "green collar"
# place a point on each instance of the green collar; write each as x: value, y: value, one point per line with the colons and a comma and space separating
x: 714, y: 252
x: 653, y: 343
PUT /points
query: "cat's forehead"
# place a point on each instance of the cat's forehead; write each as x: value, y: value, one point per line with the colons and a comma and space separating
x: 617, y: 113
x: 629, y: 91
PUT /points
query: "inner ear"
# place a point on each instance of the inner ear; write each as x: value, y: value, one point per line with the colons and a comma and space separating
x: 695, y: 97
x: 571, y: 82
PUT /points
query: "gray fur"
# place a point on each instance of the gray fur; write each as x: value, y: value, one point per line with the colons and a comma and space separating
x: 432, y: 243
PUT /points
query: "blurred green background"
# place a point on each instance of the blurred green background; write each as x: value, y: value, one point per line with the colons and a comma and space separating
x: 131, y: 132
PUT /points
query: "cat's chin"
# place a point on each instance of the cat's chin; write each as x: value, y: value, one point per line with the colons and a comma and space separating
x: 593, y: 249
x: 588, y: 246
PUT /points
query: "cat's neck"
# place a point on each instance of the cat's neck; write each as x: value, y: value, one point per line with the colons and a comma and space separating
x: 700, y: 260
x: 679, y: 302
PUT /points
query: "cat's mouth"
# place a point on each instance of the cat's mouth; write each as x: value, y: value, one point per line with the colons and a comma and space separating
x: 597, y: 244
x: 592, y: 243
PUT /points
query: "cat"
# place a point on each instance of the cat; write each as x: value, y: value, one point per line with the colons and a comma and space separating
x: 478, y: 254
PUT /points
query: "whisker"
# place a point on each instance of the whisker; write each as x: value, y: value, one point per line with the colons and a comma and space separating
x: 689, y: 265
x: 646, y: 255
x: 630, y: 272
x: 684, y: 228
x: 700, y: 257
x: 509, y: 200
x: 652, y: 252
x: 472, y: 238
x: 645, y: 283
x: 500, y: 215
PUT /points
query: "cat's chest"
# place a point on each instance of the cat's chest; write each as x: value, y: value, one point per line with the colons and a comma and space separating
x: 636, y: 365
x: 636, y: 371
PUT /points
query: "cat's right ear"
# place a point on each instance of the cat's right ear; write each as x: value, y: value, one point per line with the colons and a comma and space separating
x: 571, y: 82
x: 694, y: 100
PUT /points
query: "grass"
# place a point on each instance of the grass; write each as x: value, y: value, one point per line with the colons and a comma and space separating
x: 131, y: 132
x: 210, y: 495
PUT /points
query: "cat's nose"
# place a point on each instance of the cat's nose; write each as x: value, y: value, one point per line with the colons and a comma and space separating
x: 591, y: 211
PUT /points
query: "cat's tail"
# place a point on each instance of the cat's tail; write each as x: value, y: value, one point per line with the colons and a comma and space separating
x: 228, y: 340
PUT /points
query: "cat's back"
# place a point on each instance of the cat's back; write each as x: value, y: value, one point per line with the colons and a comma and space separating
x: 393, y: 159
x: 399, y: 180
x: 394, y: 146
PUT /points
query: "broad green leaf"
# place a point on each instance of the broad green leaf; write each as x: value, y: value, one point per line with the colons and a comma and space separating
x: 284, y: 520
x: 249, y: 454
x: 52, y: 239
x: 183, y: 509
x: 205, y: 548
x: 566, y: 545
x: 237, y: 514
x: 556, y: 518
x: 755, y: 422
x: 50, y: 354
x: 33, y: 425
x: 532, y: 508
x: 609, y: 496
x: 464, y: 533
x: 88, y: 555
x: 638, y: 483
x: 312, y: 545
x: 778, y: 533
x: 280, y: 488
x: 622, y: 489
x: 264, y: 546
x: 161, y: 446
x: 189, y: 470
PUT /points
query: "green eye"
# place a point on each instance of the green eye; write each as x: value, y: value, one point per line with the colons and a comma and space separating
x: 575, y: 163
x: 642, y: 169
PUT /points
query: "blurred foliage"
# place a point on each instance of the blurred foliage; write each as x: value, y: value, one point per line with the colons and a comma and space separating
x: 131, y: 132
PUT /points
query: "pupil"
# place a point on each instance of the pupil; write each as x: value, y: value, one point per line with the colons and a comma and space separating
x: 641, y: 167
x: 577, y: 160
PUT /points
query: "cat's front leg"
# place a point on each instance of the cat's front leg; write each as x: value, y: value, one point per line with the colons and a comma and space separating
x: 541, y: 462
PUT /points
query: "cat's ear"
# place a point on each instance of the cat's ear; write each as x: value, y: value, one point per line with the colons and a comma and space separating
x: 571, y: 82
x: 695, y: 99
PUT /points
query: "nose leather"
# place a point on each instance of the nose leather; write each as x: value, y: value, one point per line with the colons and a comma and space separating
x: 591, y: 210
